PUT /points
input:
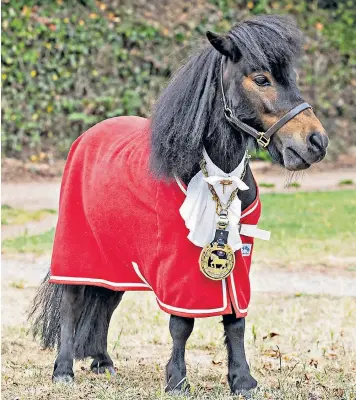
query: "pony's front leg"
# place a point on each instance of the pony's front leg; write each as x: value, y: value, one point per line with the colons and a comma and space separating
x: 239, y: 377
x: 70, y: 310
x: 180, y: 329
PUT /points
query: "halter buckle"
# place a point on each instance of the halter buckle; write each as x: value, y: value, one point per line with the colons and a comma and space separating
x: 262, y: 140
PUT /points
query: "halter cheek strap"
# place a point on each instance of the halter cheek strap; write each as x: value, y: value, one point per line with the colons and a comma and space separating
x: 263, y: 138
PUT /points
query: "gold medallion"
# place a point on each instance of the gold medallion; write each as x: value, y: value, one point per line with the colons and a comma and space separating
x: 217, y: 261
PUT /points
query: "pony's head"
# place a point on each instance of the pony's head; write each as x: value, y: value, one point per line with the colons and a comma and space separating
x: 260, y: 82
x: 254, y: 66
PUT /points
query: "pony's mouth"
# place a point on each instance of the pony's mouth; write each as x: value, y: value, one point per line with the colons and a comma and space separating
x: 275, y: 154
x: 293, y: 161
x: 288, y: 158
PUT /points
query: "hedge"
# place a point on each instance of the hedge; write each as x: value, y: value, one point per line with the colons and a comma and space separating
x: 69, y: 64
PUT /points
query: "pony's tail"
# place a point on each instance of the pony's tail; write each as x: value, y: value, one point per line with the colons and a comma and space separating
x: 45, y: 314
x: 90, y: 337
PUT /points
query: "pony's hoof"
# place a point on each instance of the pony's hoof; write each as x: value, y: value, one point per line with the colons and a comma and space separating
x: 182, y: 388
x: 103, y: 369
x: 66, y: 379
x: 179, y: 392
x: 245, y: 388
x: 243, y: 394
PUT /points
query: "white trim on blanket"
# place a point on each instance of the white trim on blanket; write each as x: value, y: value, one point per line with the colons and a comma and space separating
x: 138, y: 273
x: 186, y: 310
x: 205, y: 311
x: 93, y: 280
x: 250, y: 211
x: 242, y: 311
x: 146, y: 285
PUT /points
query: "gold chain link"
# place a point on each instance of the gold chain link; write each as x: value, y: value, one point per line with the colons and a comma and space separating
x: 215, y: 196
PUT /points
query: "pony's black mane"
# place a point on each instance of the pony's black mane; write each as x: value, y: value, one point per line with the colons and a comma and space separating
x: 189, y: 113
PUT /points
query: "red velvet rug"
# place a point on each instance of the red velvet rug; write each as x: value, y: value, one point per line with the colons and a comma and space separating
x: 119, y: 227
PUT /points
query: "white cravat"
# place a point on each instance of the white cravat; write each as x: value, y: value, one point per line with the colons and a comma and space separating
x: 199, y: 208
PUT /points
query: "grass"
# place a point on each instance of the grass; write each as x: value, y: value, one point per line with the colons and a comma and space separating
x: 307, y: 228
x: 294, y: 185
x: 315, y: 227
x: 312, y: 357
x: 18, y: 284
x: 37, y: 244
x: 16, y: 216
x: 266, y: 185
x: 346, y: 182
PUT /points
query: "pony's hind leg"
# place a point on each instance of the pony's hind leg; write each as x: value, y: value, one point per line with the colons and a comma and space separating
x: 70, y: 310
x: 180, y: 329
x: 240, y: 380
x: 102, y: 362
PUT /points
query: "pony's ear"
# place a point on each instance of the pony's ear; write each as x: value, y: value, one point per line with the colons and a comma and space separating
x: 223, y: 45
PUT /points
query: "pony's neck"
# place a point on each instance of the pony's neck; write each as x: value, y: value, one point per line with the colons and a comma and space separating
x: 226, y: 148
x: 224, y: 144
x: 227, y: 156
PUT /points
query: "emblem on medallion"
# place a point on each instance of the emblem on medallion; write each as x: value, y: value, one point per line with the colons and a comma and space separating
x: 217, y: 261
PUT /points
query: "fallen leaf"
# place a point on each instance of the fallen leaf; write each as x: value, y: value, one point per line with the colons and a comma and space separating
x: 331, y: 355
x: 290, y: 356
x: 339, y: 392
x: 271, y: 353
x: 314, y: 363
x: 270, y: 335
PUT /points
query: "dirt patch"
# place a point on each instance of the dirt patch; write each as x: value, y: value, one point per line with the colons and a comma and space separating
x: 31, y: 195
x: 20, y: 278
x: 316, y: 178
x: 13, y: 170
x: 30, y: 228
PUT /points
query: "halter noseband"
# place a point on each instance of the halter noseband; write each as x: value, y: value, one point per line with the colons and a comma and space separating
x: 263, y: 138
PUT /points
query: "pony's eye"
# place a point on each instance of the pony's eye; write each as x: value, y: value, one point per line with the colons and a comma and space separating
x: 262, y: 80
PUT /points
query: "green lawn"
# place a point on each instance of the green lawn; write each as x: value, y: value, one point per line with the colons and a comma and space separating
x: 38, y: 244
x: 313, y: 228
x: 16, y: 216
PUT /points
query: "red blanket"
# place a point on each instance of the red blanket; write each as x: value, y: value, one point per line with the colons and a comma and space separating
x: 120, y: 227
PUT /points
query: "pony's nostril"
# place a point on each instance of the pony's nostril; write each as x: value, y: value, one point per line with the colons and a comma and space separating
x: 325, y: 140
x: 317, y: 142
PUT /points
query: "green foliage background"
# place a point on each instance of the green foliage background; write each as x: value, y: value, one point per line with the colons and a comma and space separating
x: 69, y: 64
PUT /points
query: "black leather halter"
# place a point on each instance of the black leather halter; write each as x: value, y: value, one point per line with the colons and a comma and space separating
x: 263, y: 138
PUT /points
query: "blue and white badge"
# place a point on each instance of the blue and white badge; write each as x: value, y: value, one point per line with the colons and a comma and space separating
x: 246, y: 249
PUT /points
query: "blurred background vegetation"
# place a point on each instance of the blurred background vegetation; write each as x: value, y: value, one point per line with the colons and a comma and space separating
x: 69, y: 64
